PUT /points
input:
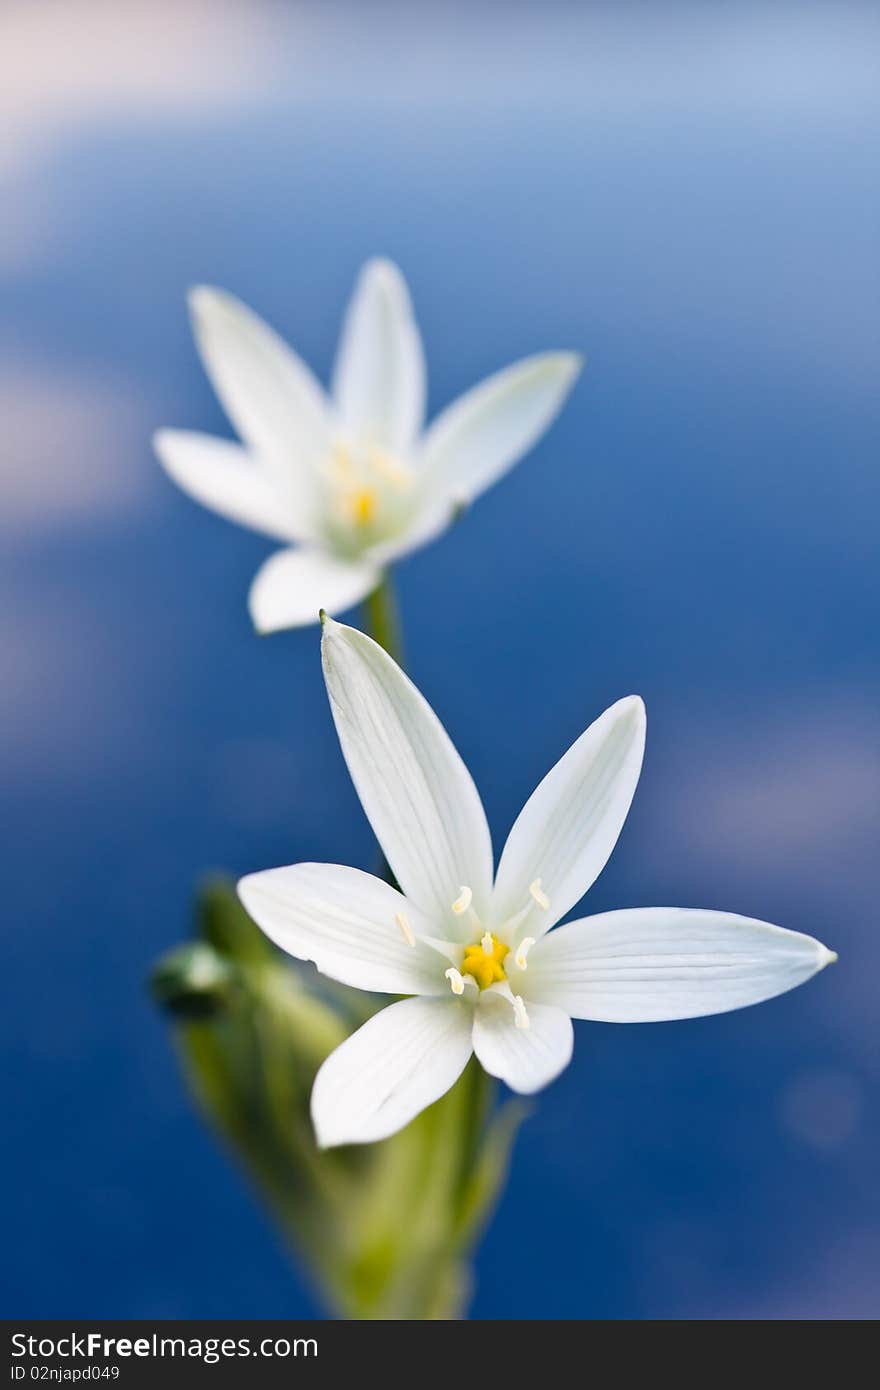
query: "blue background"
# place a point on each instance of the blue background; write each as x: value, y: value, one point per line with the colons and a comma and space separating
x: 689, y: 195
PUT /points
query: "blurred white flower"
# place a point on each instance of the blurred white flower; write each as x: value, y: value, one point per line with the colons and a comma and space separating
x: 352, y: 479
x: 487, y: 974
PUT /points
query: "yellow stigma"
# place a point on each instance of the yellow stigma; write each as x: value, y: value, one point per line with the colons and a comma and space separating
x: 363, y: 506
x: 485, y: 966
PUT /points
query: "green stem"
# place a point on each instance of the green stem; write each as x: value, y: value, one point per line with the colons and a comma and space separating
x: 382, y: 618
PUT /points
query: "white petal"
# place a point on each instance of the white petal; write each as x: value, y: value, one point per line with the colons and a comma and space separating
x: 346, y: 922
x: 221, y: 475
x: 269, y: 393
x: 482, y: 434
x: 429, y: 521
x: 403, y: 1059
x: 379, y: 378
x: 414, y: 787
x: 294, y: 585
x: 567, y: 829
x: 524, y: 1058
x: 644, y: 965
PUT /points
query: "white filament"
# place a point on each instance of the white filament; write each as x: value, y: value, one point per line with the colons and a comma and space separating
x: 523, y: 950
x: 456, y: 983
x: 463, y: 901
x: 539, y: 896
x: 405, y: 929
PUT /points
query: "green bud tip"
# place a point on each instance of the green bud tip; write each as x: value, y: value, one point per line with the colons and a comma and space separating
x: 191, y: 981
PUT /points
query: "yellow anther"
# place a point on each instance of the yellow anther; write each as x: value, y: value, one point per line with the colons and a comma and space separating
x: 363, y: 506
x: 405, y: 929
x: 520, y: 1017
x: 456, y: 983
x: 484, y: 960
x: 463, y: 901
x: 539, y: 896
x: 523, y: 950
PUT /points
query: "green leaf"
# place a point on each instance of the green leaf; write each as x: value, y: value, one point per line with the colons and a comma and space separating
x: 385, y: 1230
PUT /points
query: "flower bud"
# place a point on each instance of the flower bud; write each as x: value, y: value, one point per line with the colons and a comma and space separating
x: 192, y: 981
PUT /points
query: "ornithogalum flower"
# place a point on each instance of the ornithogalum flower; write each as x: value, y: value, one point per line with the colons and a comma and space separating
x: 485, y: 972
x: 352, y: 480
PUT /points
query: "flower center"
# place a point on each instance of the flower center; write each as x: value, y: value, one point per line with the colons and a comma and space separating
x: 484, y: 961
x: 369, y: 492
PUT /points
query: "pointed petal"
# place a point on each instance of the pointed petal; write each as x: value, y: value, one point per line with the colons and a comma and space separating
x: 644, y: 965
x: 346, y: 922
x: 524, y: 1058
x: 294, y: 585
x: 269, y: 394
x: 403, y: 1059
x: 482, y: 434
x: 414, y: 787
x: 222, y: 476
x: 379, y: 378
x: 567, y: 829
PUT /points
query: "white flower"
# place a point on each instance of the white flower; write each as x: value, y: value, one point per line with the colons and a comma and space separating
x: 349, y: 481
x: 486, y: 973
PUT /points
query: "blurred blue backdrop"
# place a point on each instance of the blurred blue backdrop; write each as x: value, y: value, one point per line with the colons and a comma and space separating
x: 687, y: 193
